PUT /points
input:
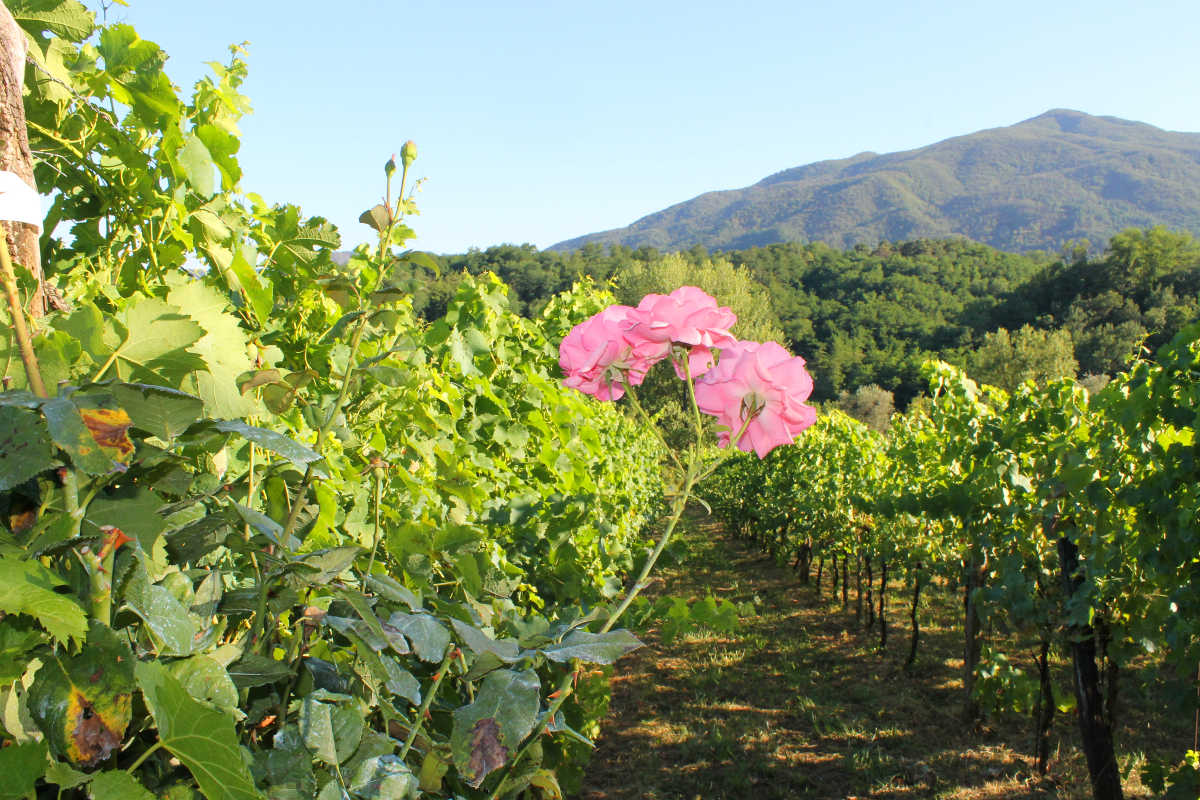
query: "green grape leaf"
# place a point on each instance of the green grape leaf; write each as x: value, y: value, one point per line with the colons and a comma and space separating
x: 66, y: 18
x: 197, y: 164
x: 461, y: 353
x: 222, y: 348
x: 223, y: 146
x: 287, y: 767
x: 25, y: 447
x: 594, y: 648
x: 84, y: 703
x: 203, y: 739
x: 156, y: 341
x: 117, y: 785
x: 65, y: 776
x: 488, y: 731
x: 18, y: 637
x: 300, y: 242
x: 256, y: 286
x: 21, y: 765
x: 423, y: 259
x: 26, y: 587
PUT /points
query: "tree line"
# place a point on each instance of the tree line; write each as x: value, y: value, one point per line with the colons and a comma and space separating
x: 869, y: 317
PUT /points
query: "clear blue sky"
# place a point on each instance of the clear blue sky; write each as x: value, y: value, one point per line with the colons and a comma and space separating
x: 540, y: 121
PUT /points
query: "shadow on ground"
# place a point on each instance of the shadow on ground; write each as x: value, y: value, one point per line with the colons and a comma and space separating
x: 800, y: 703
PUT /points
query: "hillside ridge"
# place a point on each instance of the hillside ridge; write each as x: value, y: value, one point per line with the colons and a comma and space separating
x: 1061, y: 176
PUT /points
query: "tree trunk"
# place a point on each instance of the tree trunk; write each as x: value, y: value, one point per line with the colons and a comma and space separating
x: 1094, y: 728
x: 820, y: 571
x: 845, y: 581
x: 870, y: 597
x: 15, y: 156
x: 883, y: 605
x: 1112, y: 675
x: 833, y: 577
x: 858, y: 596
x: 912, y: 615
x: 1043, y: 710
x: 972, y: 643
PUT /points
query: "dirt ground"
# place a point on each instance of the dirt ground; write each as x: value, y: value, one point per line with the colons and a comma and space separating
x: 800, y: 702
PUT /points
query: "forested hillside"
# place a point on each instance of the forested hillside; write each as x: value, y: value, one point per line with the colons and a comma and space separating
x: 866, y: 316
x: 1061, y: 176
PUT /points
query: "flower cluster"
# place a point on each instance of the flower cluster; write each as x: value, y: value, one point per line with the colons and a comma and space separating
x: 756, y: 391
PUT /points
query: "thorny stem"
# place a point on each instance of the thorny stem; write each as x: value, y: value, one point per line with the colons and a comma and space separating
x: 639, y: 584
x: 17, y: 313
x: 250, y: 490
x: 375, y: 543
x: 692, y: 476
x: 293, y: 653
x: 99, y: 569
x: 650, y: 423
x: 428, y: 701
x: 302, y: 494
x: 565, y: 688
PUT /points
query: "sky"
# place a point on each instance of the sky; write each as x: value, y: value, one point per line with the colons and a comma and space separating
x: 541, y: 121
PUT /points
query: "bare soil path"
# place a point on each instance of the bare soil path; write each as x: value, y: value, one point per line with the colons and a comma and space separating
x: 799, y: 702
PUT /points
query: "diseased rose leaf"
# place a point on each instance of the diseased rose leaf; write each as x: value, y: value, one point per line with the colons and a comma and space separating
x: 84, y: 703
x: 110, y: 430
x: 488, y: 730
x: 67, y: 429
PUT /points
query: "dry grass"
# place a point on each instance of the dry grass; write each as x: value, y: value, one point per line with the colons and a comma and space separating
x: 799, y: 703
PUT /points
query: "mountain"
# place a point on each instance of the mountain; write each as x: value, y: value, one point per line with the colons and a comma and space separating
x: 1060, y: 176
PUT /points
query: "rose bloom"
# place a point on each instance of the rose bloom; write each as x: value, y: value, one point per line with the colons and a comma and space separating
x: 598, y: 355
x: 763, y: 383
x: 686, y: 316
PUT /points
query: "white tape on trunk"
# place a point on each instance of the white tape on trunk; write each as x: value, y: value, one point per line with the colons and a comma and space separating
x: 19, y: 202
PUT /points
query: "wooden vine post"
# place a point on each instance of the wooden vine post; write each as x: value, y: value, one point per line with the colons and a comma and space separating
x: 15, y: 156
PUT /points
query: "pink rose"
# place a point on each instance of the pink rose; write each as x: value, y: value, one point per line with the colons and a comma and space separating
x: 686, y: 316
x: 763, y: 383
x: 598, y: 356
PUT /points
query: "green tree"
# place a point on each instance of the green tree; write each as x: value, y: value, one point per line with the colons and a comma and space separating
x: 1009, y: 359
x: 731, y: 286
x: 871, y: 405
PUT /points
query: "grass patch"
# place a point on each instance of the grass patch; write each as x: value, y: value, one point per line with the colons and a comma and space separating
x: 799, y: 702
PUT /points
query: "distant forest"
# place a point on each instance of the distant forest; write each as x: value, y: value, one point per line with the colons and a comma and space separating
x: 865, y: 318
